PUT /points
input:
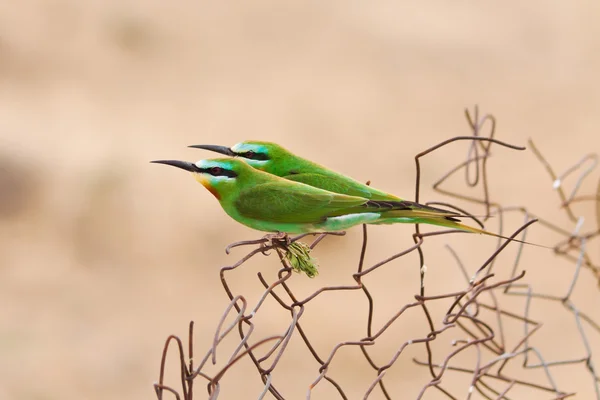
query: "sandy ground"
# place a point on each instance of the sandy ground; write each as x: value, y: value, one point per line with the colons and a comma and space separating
x: 103, y: 255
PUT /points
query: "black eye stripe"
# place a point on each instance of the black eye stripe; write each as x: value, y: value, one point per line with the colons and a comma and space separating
x: 218, y: 171
x: 253, y: 155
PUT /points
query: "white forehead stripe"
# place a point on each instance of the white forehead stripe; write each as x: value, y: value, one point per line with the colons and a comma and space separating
x: 207, y: 164
x: 243, y: 147
x: 201, y: 164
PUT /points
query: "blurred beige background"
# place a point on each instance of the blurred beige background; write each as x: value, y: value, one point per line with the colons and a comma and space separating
x: 103, y: 255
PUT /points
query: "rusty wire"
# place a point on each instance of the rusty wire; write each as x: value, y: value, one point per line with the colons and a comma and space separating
x: 477, y: 314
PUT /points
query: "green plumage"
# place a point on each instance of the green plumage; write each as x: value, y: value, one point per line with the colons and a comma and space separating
x: 269, y: 203
x: 340, y: 185
x: 276, y: 160
x: 280, y: 201
x: 287, y: 165
x: 296, y: 195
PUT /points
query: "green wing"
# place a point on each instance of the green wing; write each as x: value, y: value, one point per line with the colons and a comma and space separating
x: 294, y: 203
x: 332, y: 185
x: 340, y: 184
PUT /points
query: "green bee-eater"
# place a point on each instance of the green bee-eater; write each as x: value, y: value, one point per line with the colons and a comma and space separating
x: 269, y: 203
x: 274, y: 159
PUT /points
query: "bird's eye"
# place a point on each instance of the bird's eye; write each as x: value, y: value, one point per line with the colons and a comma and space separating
x: 249, y: 154
x: 216, y: 171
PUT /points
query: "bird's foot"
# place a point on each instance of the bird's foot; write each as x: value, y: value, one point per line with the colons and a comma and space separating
x: 280, y: 239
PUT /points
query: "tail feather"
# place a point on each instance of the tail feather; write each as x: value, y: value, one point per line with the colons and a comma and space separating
x: 421, y: 217
x: 406, y: 205
x: 433, y: 213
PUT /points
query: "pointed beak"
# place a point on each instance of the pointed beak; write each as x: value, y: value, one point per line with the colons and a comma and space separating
x: 218, y: 149
x: 188, y: 166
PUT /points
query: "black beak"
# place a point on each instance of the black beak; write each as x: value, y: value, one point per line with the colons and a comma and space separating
x: 219, y: 149
x: 188, y: 166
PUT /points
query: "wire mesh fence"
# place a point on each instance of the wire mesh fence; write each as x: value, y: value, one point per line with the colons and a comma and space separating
x: 489, y: 316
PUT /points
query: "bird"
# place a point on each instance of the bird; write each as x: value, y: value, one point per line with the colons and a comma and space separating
x: 275, y: 159
x: 269, y: 203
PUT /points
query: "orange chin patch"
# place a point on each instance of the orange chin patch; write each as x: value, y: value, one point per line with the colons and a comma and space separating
x: 206, y: 183
x: 213, y: 191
